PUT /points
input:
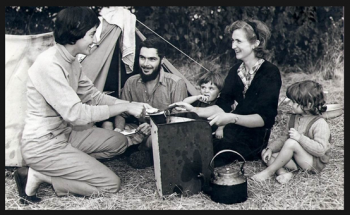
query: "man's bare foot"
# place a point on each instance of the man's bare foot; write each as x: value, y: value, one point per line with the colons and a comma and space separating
x: 262, y: 176
x: 34, y: 180
x: 284, y: 178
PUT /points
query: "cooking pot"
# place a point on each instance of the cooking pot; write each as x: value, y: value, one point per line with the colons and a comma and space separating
x: 227, y: 185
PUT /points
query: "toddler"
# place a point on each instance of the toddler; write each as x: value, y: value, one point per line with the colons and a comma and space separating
x: 211, y: 83
x: 307, y: 144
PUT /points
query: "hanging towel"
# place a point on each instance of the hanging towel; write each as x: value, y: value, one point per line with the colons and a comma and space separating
x: 125, y: 20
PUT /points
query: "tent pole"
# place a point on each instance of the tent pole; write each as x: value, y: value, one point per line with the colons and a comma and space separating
x: 119, y: 74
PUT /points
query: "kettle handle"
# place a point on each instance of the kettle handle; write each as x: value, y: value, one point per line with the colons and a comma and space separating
x: 226, y: 150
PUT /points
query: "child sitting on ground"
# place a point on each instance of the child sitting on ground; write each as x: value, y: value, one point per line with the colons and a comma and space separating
x: 306, y: 146
x: 211, y: 83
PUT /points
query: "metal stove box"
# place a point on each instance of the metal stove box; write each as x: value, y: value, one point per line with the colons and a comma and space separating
x: 182, y: 150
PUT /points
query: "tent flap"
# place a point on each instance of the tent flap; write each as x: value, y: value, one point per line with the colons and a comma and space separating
x: 20, y: 53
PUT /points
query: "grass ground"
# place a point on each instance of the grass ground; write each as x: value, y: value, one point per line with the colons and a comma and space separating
x: 305, y: 191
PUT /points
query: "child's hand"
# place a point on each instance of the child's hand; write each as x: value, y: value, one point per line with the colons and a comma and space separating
x: 219, y: 133
x: 266, y: 155
x: 294, y: 134
x: 203, y: 98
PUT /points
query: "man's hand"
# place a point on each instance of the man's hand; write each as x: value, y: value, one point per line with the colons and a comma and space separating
x: 221, y: 119
x: 118, y: 129
x: 144, y: 128
x: 294, y: 134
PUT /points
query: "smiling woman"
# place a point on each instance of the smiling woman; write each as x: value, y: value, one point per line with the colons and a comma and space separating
x: 60, y: 97
x: 247, y: 105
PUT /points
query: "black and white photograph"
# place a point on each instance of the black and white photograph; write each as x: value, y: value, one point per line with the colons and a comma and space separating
x: 174, y: 107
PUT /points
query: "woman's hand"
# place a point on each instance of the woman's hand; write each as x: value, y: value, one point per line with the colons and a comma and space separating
x: 185, y: 105
x: 266, y: 154
x: 147, y: 106
x: 138, y: 110
x: 221, y: 119
x: 294, y: 134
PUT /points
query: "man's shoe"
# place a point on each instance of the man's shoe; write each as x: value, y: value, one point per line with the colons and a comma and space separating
x: 21, y: 176
x: 141, y: 159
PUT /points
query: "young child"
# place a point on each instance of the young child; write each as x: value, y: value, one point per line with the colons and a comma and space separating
x: 211, y: 83
x: 303, y: 148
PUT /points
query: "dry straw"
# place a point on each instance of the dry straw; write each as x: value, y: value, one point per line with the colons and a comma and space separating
x: 304, y: 192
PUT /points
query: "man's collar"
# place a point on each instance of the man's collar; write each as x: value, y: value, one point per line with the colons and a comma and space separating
x: 161, y: 75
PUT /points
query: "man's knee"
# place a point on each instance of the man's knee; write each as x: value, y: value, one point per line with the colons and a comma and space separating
x: 117, y: 144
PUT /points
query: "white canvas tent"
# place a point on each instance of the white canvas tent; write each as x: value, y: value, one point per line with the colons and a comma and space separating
x: 108, y: 66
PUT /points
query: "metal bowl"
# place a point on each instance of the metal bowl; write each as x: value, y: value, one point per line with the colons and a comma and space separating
x: 333, y: 110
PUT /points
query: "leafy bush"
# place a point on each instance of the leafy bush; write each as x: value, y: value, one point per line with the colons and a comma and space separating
x: 302, y: 37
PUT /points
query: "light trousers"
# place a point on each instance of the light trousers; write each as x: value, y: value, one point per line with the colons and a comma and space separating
x: 70, y: 158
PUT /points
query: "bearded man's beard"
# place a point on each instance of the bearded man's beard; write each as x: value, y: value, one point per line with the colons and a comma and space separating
x: 152, y: 76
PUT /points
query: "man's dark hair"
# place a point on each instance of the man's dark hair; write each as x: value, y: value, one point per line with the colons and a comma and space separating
x: 155, y: 42
x: 72, y: 23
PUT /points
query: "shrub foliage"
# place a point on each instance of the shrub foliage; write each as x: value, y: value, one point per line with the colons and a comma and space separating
x: 300, y: 35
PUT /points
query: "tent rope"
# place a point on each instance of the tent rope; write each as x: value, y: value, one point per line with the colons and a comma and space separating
x: 172, y: 45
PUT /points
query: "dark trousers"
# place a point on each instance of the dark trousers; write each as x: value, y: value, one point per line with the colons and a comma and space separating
x: 249, y: 142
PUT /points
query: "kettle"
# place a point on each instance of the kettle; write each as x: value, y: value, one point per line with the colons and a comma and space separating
x: 228, y: 186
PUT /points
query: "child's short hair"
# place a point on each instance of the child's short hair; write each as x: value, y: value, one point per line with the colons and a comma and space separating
x: 214, y: 77
x: 72, y: 23
x: 308, y: 92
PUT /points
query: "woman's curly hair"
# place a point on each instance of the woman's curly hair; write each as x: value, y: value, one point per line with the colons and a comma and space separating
x: 255, y: 30
x: 309, y: 95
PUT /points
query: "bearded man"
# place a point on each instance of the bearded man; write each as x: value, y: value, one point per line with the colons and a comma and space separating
x: 153, y: 86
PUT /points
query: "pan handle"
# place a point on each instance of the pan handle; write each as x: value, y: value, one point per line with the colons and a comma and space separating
x: 226, y: 150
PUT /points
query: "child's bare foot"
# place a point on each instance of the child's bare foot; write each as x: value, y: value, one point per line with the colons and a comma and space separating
x: 284, y: 178
x: 262, y: 176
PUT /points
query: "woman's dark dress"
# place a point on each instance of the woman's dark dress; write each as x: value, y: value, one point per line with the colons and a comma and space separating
x: 261, y: 98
